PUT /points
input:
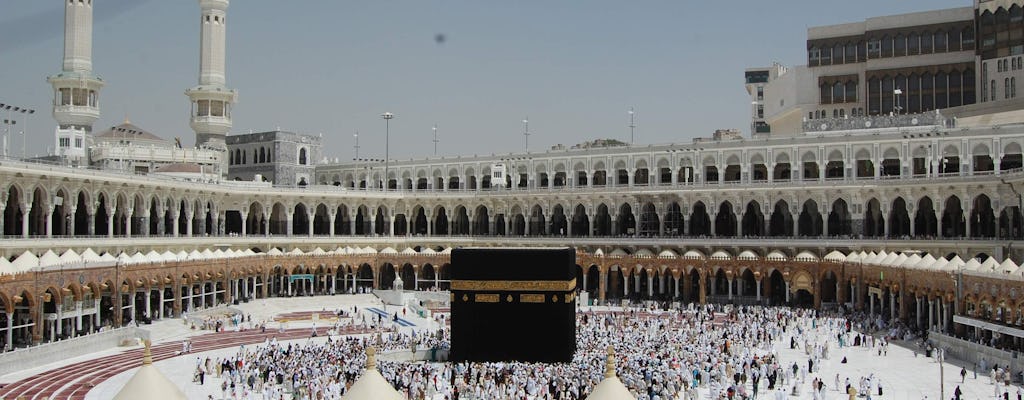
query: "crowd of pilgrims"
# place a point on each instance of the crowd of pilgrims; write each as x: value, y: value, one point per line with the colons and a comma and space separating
x: 711, y: 351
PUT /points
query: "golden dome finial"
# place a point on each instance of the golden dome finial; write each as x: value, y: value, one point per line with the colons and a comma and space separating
x: 371, y: 358
x: 126, y: 120
x: 609, y: 364
x: 147, y: 354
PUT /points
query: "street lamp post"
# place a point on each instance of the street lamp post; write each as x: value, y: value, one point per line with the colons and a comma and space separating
x: 9, y: 125
x: 896, y: 96
x: 387, y: 141
x: 435, y: 139
x: 356, y: 135
x: 632, y: 126
x: 526, y: 133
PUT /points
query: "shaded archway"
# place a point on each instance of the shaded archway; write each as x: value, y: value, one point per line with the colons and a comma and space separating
x: 753, y: 220
x: 674, y: 223
x: 983, y: 223
x: 559, y: 224
x: 925, y: 222
x: 953, y: 218
x: 725, y: 221
x: 537, y: 224
x: 782, y: 220
x: 602, y: 221
x: 650, y: 224
x: 580, y: 221
x: 839, y: 219
x: 899, y: 219
x: 700, y: 222
x: 810, y: 219
x: 874, y: 222
x: 481, y: 222
x: 626, y: 220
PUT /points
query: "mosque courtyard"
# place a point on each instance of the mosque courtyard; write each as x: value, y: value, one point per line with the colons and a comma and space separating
x: 902, y: 373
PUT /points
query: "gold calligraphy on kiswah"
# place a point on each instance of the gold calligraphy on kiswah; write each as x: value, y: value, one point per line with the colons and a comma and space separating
x: 515, y: 286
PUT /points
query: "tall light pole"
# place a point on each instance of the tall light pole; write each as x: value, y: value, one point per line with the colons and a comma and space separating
x: 356, y: 135
x: 632, y: 125
x: 896, y: 95
x: 526, y: 133
x: 24, y: 132
x: 435, y: 139
x: 387, y: 140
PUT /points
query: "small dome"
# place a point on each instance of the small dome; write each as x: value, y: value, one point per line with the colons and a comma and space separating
x: 6, y: 268
x: 598, y: 253
x: 693, y: 254
x: 1007, y: 267
x: 611, y: 388
x: 835, y: 256
x: 668, y: 254
x: 318, y: 252
x: 776, y: 256
x: 806, y: 256
x: 149, y: 383
x: 747, y: 255
x: 409, y: 250
x: 275, y: 252
x: 721, y: 255
x: 643, y: 253
x: 296, y: 252
x: 90, y: 256
x: 49, y: 258
x: 389, y: 250
x: 70, y: 256
x: 372, y: 386
x: 911, y: 262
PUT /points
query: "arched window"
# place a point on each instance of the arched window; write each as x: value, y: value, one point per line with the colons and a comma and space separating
x: 263, y: 155
x: 1013, y: 87
x: 992, y: 90
x: 231, y: 158
x: 837, y: 93
x: 1006, y: 88
x: 302, y: 156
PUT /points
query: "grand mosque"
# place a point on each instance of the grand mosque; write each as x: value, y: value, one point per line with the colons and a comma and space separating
x: 885, y: 176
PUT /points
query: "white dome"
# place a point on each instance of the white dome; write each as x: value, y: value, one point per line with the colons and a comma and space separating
x: 853, y: 257
x: 972, y: 265
x: 389, y: 250
x: 90, y: 256
x: 369, y: 250
x: 955, y: 264
x: 372, y: 386
x: 1008, y: 266
x: 447, y: 250
x: 195, y: 255
x: 296, y: 252
x: 218, y: 254
x: 318, y: 252
x: 149, y: 383
x: 835, y: 256
x: 776, y: 256
x: 926, y: 262
x: 643, y: 253
x: 939, y: 264
x: 275, y: 252
x: 109, y: 257
x: 428, y: 250
x: 806, y: 256
x: 990, y: 265
x: 693, y: 254
x: 70, y: 256
x: 721, y: 255
x: 911, y: 262
x: 25, y: 261
x: 610, y: 388
x: 409, y: 250
x: 6, y: 268
x: 181, y: 255
x: 668, y: 254
x: 152, y: 256
x: 747, y: 255
x: 169, y: 256
x: 49, y: 258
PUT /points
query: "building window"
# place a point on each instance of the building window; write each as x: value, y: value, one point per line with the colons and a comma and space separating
x: 760, y: 110
x: 78, y: 143
x: 1006, y: 88
x: 1013, y: 87
x: 760, y: 93
x: 874, y: 48
x: 302, y: 157
x: 992, y: 90
x: 65, y: 142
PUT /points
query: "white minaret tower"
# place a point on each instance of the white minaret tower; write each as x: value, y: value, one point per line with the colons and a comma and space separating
x: 211, y: 99
x: 76, y: 101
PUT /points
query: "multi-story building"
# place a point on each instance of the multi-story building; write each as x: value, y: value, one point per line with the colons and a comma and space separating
x: 129, y: 148
x: 952, y: 60
x: 914, y: 220
x: 282, y: 158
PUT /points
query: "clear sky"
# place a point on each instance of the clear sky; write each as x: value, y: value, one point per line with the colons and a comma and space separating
x: 333, y: 66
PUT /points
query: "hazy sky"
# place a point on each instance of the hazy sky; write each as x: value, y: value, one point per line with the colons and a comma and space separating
x: 332, y: 67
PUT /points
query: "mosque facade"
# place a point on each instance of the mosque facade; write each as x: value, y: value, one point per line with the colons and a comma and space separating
x: 914, y: 217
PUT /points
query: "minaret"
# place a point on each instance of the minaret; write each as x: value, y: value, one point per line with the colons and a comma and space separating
x: 76, y: 101
x: 211, y: 99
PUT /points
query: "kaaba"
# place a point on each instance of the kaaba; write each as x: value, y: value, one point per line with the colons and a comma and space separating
x: 513, y: 304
